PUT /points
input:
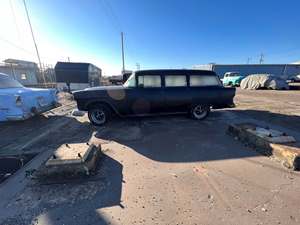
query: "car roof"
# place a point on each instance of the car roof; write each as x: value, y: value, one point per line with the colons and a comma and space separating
x: 175, y: 72
x: 232, y: 72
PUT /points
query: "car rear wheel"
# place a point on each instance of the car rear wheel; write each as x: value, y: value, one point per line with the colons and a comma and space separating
x: 99, y: 114
x: 200, y: 112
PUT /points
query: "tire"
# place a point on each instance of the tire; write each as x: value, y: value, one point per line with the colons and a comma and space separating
x: 99, y: 114
x: 230, y: 84
x: 200, y: 112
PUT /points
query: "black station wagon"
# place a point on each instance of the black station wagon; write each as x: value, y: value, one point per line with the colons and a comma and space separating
x: 150, y: 92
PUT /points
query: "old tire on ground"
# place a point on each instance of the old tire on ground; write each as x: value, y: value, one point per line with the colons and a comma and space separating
x: 99, y: 114
x: 199, y: 112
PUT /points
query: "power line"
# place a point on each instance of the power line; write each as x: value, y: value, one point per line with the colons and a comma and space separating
x: 15, y: 20
x: 261, y: 56
x: 261, y: 60
x: 16, y: 46
x: 35, y: 45
x: 117, y: 25
x: 110, y: 13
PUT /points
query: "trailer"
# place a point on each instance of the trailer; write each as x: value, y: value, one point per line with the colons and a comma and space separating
x: 71, y: 76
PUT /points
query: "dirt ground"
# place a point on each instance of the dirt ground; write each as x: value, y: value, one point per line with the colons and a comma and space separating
x: 159, y: 170
x: 276, y: 107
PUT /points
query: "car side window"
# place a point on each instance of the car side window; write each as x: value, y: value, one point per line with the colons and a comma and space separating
x: 149, y: 81
x: 202, y: 80
x: 175, y: 81
x: 130, y: 81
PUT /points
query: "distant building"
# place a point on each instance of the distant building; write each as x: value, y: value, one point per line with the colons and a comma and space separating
x: 282, y: 70
x: 25, y: 72
x: 77, y: 76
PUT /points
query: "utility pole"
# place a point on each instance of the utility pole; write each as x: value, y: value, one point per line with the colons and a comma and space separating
x: 248, y: 60
x: 123, y: 57
x: 35, y: 45
x: 138, y: 66
x: 261, y: 60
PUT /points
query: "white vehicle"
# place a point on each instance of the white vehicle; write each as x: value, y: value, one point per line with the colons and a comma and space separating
x: 294, y: 79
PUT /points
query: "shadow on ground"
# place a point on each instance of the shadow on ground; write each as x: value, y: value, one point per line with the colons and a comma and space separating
x: 288, y: 121
x: 180, y: 139
x: 74, y: 203
x: 176, y: 138
x: 85, y: 200
x: 164, y: 139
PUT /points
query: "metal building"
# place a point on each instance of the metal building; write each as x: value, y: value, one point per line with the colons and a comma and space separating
x: 77, y: 76
x: 282, y: 70
x: 25, y: 72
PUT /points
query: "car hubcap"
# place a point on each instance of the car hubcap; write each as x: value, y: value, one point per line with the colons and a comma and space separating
x: 199, y: 112
x: 98, y: 116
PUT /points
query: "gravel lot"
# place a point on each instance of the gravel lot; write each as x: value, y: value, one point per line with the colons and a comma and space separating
x: 275, y: 107
x: 160, y: 170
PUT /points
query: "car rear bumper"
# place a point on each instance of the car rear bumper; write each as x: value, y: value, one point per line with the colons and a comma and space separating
x: 223, y: 106
x: 23, y: 115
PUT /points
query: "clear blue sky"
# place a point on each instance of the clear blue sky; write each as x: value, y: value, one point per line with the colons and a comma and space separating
x: 173, y: 33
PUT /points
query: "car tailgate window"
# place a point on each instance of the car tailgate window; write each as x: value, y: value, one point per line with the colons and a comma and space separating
x: 175, y: 81
x: 196, y: 81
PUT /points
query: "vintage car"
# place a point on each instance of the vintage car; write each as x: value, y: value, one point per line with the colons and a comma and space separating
x: 19, y: 103
x: 149, y: 92
x: 232, y: 79
x: 294, y: 79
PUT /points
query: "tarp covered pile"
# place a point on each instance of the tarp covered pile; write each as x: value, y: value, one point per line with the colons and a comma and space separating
x: 261, y: 81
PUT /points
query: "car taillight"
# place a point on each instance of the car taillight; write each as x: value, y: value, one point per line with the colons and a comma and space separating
x: 18, y: 100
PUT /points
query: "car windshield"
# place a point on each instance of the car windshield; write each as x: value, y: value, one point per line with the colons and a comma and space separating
x: 6, y: 82
x: 130, y: 82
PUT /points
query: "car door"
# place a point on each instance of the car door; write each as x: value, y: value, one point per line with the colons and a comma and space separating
x: 176, y: 93
x: 147, y: 97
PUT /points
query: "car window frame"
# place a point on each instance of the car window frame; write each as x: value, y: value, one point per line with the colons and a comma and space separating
x: 216, y: 76
x: 183, y: 74
x: 135, y: 79
x: 143, y: 87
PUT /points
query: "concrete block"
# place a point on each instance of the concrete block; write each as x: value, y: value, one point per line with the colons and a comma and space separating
x: 271, y: 135
x: 70, y: 154
x: 283, y: 148
x: 70, y: 161
x: 77, y: 112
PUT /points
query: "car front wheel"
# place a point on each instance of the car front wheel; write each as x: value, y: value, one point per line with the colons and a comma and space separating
x: 99, y: 115
x: 200, y: 112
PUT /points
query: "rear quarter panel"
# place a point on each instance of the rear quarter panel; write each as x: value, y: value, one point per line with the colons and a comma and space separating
x: 212, y: 95
x: 41, y: 99
x: 8, y: 106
